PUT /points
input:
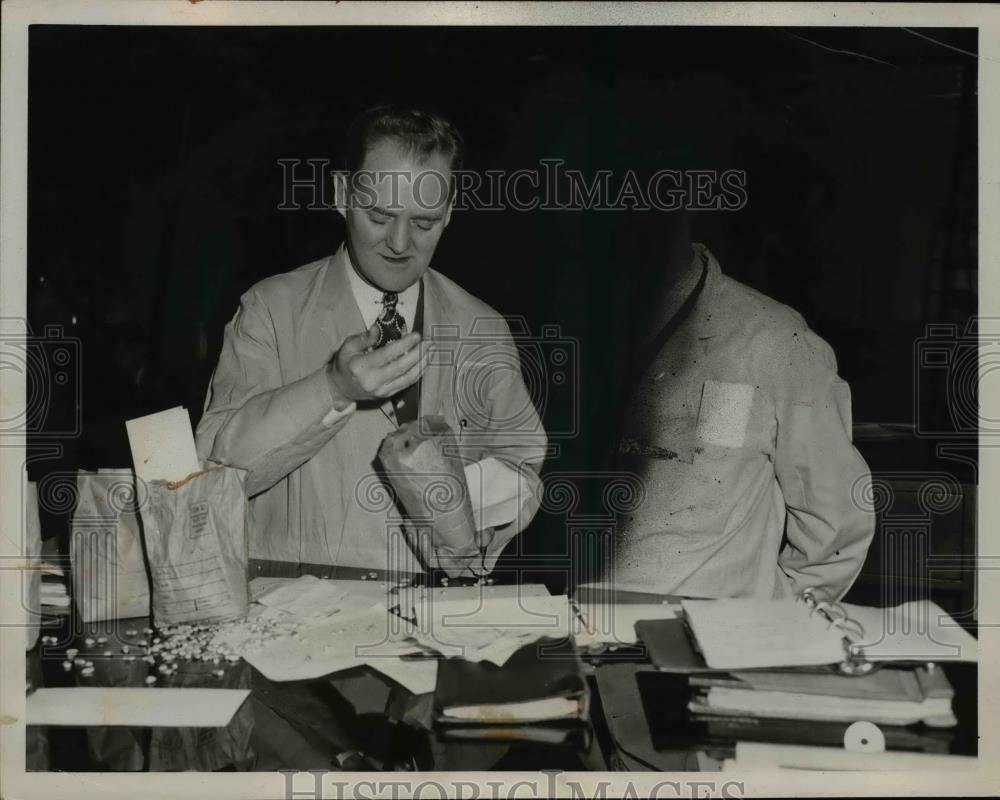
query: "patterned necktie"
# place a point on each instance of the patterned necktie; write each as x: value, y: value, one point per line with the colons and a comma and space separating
x: 390, y: 323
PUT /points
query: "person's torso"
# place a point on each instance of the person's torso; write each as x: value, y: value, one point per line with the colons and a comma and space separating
x: 700, y: 434
x: 336, y: 508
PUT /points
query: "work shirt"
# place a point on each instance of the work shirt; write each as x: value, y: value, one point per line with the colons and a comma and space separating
x: 317, y: 495
x: 740, y: 431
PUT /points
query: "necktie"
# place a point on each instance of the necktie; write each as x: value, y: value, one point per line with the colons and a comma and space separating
x: 391, y: 326
x: 390, y: 323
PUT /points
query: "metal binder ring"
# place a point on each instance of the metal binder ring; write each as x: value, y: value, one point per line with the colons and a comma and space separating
x: 854, y: 667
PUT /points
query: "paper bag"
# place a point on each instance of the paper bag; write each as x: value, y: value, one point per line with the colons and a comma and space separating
x: 109, y: 572
x: 31, y: 599
x: 196, y: 543
x: 421, y: 463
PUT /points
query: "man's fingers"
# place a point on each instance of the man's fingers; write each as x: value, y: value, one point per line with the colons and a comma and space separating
x: 404, y: 380
x: 397, y: 367
x: 393, y: 350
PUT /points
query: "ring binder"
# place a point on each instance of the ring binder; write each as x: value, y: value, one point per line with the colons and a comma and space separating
x: 854, y: 663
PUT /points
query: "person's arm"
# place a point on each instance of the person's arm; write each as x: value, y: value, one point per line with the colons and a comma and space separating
x: 504, y: 425
x: 253, y: 421
x: 823, y: 478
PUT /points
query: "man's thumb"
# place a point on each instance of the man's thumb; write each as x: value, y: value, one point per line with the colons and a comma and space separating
x: 371, y: 336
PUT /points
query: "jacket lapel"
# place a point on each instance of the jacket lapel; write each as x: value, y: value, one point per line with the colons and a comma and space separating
x: 344, y: 317
x: 441, y: 335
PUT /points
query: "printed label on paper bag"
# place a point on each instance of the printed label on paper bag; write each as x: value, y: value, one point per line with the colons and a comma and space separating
x: 201, y: 520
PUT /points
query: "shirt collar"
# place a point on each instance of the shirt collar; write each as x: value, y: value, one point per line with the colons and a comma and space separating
x: 369, y: 299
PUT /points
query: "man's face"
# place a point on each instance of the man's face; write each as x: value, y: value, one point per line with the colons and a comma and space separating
x: 396, y: 210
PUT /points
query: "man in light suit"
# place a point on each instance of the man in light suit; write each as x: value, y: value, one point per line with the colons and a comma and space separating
x: 321, y: 363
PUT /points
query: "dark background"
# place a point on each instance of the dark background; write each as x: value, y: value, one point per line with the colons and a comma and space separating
x: 154, y: 188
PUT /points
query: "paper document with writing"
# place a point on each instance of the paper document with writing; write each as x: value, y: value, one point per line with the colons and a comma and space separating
x: 163, y: 445
x: 743, y: 633
x: 614, y: 623
x: 311, y: 598
x: 139, y: 707
x: 345, y: 624
x: 491, y: 629
x: 335, y: 644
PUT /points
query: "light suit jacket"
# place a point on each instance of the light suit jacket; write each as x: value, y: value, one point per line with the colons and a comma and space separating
x: 316, y: 497
x: 741, y: 433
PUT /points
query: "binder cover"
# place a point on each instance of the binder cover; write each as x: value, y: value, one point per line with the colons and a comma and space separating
x: 543, y: 670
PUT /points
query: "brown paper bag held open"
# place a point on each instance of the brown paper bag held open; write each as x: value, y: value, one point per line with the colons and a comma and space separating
x: 196, y: 543
x: 421, y: 462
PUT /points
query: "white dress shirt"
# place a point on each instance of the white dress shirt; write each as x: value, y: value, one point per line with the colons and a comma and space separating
x: 369, y: 299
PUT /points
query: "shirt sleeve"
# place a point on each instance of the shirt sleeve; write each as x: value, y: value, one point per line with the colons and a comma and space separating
x: 513, y: 435
x: 252, y: 419
x: 824, y: 480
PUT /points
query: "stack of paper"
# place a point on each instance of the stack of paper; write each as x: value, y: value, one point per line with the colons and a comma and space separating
x: 54, y: 594
x: 755, y: 756
x: 372, y: 637
x: 343, y: 624
x: 491, y: 629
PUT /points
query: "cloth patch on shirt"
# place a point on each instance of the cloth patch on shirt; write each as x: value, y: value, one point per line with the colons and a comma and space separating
x: 725, y: 412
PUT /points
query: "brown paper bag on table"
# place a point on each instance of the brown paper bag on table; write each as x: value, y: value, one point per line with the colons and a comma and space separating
x: 196, y: 543
x: 430, y: 483
x: 31, y: 600
x: 109, y: 571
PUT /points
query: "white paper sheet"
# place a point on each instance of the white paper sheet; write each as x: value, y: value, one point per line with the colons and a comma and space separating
x: 310, y: 598
x: 140, y: 707
x: 614, y: 623
x: 496, y: 491
x: 417, y: 675
x: 754, y: 756
x: 491, y: 629
x: 163, y: 445
x: 914, y: 631
x: 333, y: 645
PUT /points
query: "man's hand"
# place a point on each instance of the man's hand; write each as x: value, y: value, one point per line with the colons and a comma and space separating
x: 359, y: 373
